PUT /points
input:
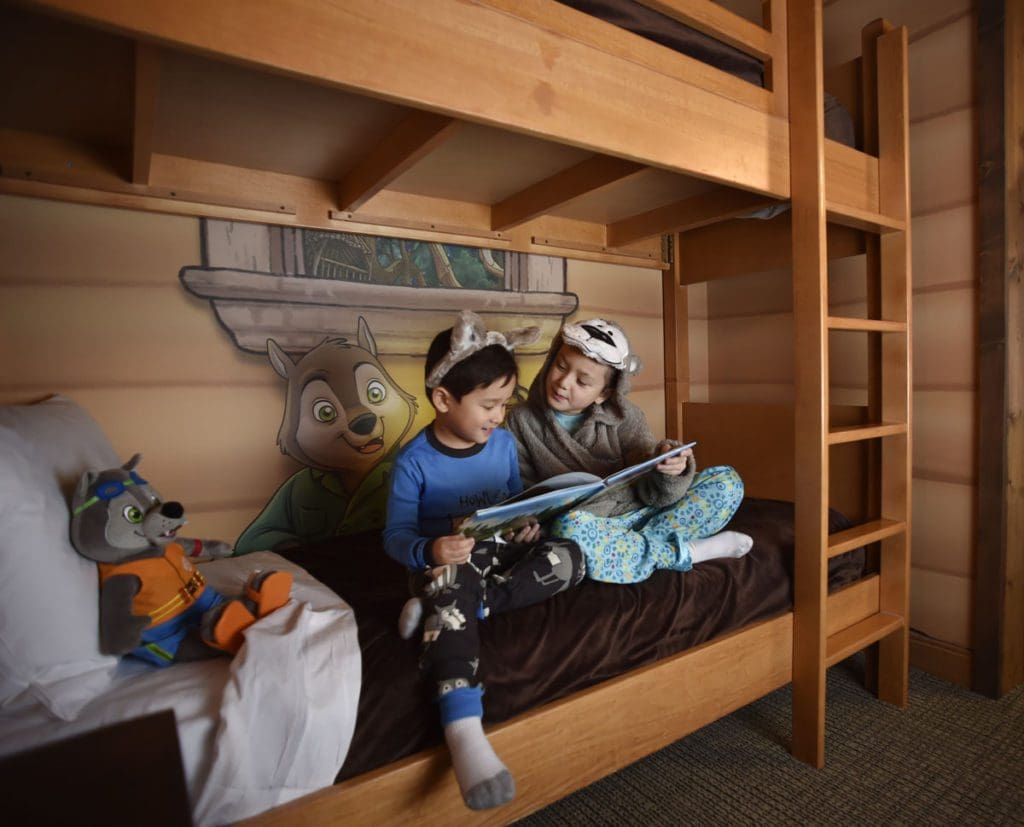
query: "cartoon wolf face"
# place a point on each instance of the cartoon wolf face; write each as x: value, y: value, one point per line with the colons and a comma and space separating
x: 117, y: 515
x: 343, y: 411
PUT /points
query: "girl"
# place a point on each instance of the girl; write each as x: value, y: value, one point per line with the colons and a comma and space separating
x: 577, y: 418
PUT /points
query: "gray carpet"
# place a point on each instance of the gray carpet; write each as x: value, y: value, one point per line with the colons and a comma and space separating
x: 951, y: 757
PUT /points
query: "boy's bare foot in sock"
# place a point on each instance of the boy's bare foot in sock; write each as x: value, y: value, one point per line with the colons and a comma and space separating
x: 723, y: 544
x: 484, y: 780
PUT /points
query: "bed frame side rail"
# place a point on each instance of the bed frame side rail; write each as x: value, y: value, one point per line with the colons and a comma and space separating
x: 565, y: 745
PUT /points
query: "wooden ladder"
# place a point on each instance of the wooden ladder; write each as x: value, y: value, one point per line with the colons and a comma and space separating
x: 888, y: 330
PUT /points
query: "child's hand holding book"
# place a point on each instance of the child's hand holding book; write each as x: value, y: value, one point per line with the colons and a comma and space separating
x: 453, y: 548
x: 529, y: 533
x: 674, y: 465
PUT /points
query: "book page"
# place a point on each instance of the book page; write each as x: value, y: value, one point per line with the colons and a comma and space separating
x: 514, y: 514
x: 566, y: 480
x: 627, y: 475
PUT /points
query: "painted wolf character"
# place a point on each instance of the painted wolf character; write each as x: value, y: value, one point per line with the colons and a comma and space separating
x: 344, y: 418
x: 154, y: 604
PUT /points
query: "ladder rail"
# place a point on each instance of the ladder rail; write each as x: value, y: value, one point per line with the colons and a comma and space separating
x: 810, y: 311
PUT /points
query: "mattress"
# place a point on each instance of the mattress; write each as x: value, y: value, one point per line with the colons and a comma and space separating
x: 581, y: 637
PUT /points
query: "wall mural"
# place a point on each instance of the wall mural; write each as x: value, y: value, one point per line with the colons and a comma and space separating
x: 328, y: 310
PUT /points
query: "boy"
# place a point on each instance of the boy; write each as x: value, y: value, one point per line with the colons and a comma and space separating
x: 576, y: 418
x: 460, y: 462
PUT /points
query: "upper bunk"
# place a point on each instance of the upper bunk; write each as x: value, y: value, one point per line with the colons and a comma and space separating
x: 523, y: 125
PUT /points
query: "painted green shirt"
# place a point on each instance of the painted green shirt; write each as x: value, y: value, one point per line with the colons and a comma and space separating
x: 311, y: 505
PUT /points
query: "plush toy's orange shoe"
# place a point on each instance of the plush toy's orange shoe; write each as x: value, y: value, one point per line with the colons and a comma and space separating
x: 225, y: 632
x: 266, y: 591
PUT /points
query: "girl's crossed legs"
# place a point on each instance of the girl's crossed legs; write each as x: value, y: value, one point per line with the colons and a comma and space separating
x: 631, y: 547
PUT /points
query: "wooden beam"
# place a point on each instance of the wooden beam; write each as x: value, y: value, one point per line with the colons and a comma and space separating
x: 614, y: 40
x: 740, y: 246
x: 676, y: 344
x: 475, y: 63
x: 145, y: 91
x: 869, y: 83
x: 41, y: 166
x: 896, y: 368
x: 546, y: 195
x: 873, y: 286
x: 414, y: 138
x: 709, y: 207
x: 998, y: 612
x: 719, y: 23
x: 810, y: 308
x: 776, y: 77
x: 1013, y: 618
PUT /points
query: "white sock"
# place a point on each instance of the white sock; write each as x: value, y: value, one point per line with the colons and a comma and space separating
x: 484, y: 780
x: 409, y: 619
x: 723, y: 544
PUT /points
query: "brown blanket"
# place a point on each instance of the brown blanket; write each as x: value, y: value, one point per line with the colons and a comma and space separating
x: 583, y: 636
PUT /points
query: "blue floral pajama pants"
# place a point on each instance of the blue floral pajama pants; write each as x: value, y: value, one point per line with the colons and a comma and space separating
x: 630, y: 547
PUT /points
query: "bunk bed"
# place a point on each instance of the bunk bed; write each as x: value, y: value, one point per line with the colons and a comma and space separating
x: 528, y: 125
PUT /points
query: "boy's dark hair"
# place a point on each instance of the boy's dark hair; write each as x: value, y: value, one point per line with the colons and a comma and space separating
x: 475, y: 371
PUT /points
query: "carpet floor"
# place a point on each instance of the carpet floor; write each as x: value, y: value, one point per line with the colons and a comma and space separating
x: 952, y: 757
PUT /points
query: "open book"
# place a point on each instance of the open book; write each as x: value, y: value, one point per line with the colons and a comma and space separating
x: 554, y: 496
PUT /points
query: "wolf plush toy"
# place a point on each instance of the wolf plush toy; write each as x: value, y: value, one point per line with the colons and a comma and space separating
x: 154, y: 603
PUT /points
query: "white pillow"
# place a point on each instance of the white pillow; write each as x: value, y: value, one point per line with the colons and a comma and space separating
x: 49, y: 598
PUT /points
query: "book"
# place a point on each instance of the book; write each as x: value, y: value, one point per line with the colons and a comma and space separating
x: 554, y: 496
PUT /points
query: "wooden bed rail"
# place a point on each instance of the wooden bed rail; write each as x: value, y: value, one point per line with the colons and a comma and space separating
x: 758, y: 440
x: 767, y: 43
x: 579, y: 84
x: 451, y: 58
x: 563, y: 746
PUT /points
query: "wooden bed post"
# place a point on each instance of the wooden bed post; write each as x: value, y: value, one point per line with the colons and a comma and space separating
x: 896, y: 384
x: 674, y: 309
x: 873, y: 286
x: 810, y: 308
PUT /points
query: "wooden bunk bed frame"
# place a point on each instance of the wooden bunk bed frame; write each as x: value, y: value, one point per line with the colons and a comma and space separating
x: 572, y: 138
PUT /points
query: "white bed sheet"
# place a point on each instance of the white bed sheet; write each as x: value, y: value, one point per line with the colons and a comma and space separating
x: 269, y: 725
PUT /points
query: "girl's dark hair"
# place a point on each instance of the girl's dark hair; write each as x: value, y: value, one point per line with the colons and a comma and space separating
x: 475, y: 371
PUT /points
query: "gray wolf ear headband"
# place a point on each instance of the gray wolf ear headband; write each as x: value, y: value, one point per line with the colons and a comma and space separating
x: 469, y: 335
x: 603, y: 342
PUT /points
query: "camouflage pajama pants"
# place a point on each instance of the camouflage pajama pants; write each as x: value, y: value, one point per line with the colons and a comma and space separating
x: 499, y: 577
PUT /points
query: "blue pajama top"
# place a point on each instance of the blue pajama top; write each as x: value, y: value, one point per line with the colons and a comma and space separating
x: 433, y: 485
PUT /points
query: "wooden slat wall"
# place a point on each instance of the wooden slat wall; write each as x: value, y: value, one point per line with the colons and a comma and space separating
x: 91, y: 306
x: 752, y: 315
x: 632, y: 297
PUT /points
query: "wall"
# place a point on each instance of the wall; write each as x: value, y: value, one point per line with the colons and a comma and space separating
x: 752, y: 314
x: 632, y: 297
x: 91, y: 306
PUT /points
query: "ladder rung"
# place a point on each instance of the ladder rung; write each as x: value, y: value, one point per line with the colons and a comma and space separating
x: 859, y: 219
x: 861, y: 535
x: 855, y: 433
x: 859, y: 635
x: 870, y: 325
